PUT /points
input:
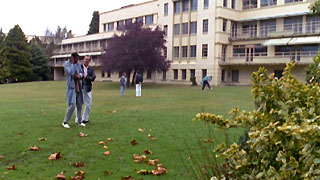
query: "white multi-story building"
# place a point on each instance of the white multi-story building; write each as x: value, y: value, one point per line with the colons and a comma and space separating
x: 228, y: 39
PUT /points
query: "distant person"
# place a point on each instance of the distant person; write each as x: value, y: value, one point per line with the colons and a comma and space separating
x: 139, y: 80
x: 74, y: 75
x: 123, y: 83
x: 88, y: 77
x: 205, y: 82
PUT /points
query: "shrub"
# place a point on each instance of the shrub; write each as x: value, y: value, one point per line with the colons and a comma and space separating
x: 313, y: 71
x: 193, y: 80
x: 283, y: 130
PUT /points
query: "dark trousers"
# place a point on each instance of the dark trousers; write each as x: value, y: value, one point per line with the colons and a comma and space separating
x: 204, y: 84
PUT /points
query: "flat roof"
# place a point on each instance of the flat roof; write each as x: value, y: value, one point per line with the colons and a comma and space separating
x: 128, y: 6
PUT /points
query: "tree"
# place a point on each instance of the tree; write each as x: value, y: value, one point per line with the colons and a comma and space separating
x: 315, y: 8
x: 313, y: 70
x: 94, y: 25
x: 137, y: 48
x: 16, y: 57
x: 2, y: 38
x: 40, y: 61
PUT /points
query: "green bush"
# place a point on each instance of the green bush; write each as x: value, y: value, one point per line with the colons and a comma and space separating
x: 313, y: 70
x: 283, y: 130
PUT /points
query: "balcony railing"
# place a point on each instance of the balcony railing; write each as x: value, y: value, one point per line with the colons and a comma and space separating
x: 272, y: 31
x: 79, y: 50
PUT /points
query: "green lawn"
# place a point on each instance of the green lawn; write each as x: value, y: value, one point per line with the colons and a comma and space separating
x: 33, y: 110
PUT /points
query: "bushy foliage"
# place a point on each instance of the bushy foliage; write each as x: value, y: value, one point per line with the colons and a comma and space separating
x: 94, y: 25
x: 315, y: 8
x: 283, y: 130
x: 313, y: 71
x: 39, y: 61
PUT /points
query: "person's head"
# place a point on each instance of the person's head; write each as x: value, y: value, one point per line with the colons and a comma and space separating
x: 124, y: 74
x: 75, y: 57
x: 86, y: 61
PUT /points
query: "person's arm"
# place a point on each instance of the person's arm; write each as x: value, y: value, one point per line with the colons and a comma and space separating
x: 91, y: 77
x: 69, y: 69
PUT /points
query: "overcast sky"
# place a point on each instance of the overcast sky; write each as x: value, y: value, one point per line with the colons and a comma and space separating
x: 34, y: 16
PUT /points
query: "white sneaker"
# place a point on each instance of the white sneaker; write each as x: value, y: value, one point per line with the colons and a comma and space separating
x: 82, y: 124
x: 65, y: 125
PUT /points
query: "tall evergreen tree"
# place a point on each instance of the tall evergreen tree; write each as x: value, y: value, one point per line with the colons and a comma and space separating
x: 2, y: 38
x: 16, y: 57
x: 94, y: 25
x: 39, y: 61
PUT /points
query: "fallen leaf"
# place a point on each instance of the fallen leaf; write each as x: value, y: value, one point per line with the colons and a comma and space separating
x: 139, y: 159
x: 140, y: 130
x: 81, y: 134
x: 34, y: 148
x: 107, y: 172
x: 76, y: 178
x: 154, y: 138
x: 79, y: 164
x: 153, y: 162
x: 61, y: 176
x: 159, y: 170
x: 107, y: 153
x: 1, y: 157
x: 13, y: 167
x: 20, y: 133
x: 134, y: 142
x: 105, y: 147
x: 147, y: 151
x: 110, y: 139
x: 55, y: 156
x: 42, y: 139
x: 79, y: 173
x: 127, y: 178
x: 111, y: 112
x: 102, y: 143
x: 144, y: 172
x: 209, y: 141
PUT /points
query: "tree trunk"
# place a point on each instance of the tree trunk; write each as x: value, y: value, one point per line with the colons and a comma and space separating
x: 128, y: 78
x: 133, y: 77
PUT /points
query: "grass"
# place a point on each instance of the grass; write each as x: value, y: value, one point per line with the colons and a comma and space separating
x: 33, y: 110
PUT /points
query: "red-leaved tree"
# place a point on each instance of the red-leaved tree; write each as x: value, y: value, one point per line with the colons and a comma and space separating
x: 136, y: 48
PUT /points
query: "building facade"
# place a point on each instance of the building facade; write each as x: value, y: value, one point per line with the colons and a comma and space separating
x: 228, y: 39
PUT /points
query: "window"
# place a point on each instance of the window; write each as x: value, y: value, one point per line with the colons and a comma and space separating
x: 120, y: 25
x: 184, y: 51
x: 224, y: 25
x: 185, y: 28
x: 164, y: 75
x: 291, y: 1
x: 165, y: 52
x: 204, y: 50
x: 166, y: 9
x: 234, y: 30
x: 223, y: 75
x: 204, y: 73
x: 184, y: 74
x: 235, y: 75
x: 177, y: 5
x: 249, y: 4
x: 149, y: 74
x: 193, y: 51
x: 149, y: 19
x: 238, y: 51
x: 103, y: 74
x: 111, y: 26
x: 104, y: 27
x: 139, y: 20
x: 267, y: 26
x: 295, y: 52
x: 175, y: 52
x: 193, y: 27
x: 128, y: 21
x: 175, y: 74
x: 206, y: 4
x: 194, y: 5
x: 249, y: 29
x: 224, y: 53
x: 268, y: 3
x: 233, y: 4
x: 278, y: 73
x: 120, y: 74
x: 293, y: 24
x: 192, y: 73
x: 185, y: 5
x: 108, y: 74
x: 176, y: 28
x: 103, y: 43
x: 165, y: 30
x: 225, y: 3
x: 313, y: 24
x: 260, y: 50
x: 205, y: 25
x: 81, y: 46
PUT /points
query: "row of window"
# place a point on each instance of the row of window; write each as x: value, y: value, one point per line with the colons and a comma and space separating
x: 183, y: 51
x: 184, y: 73
x: 184, y: 6
x: 147, y: 20
x: 189, y: 28
x: 249, y: 4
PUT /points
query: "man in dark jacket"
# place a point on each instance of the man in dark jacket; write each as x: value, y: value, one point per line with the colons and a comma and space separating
x: 88, y: 77
x: 139, y: 80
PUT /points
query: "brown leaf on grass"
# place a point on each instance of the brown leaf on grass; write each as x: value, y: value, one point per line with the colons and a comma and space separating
x: 20, y: 133
x: 79, y: 164
x: 209, y: 141
x: 153, y: 162
x: 105, y: 147
x: 61, y: 176
x: 102, y: 143
x: 139, y: 159
x: 159, y: 170
x: 154, y: 138
x: 76, y: 178
x: 79, y: 173
x: 110, y: 139
x: 111, y: 112
x: 13, y: 167
x: 1, y: 157
x: 127, y: 178
x: 147, y: 151
x: 81, y: 134
x: 55, y: 156
x: 34, y: 148
x: 42, y: 139
x: 107, y: 172
x: 140, y: 130
x: 144, y: 172
x: 134, y: 142
x: 107, y: 153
